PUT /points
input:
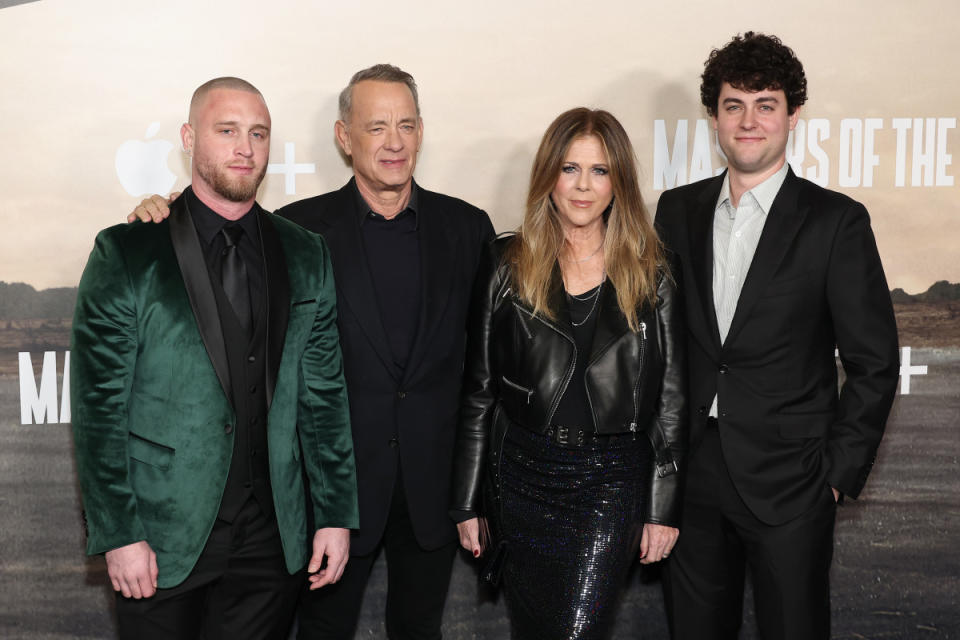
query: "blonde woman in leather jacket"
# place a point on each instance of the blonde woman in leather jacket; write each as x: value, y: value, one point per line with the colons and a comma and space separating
x: 573, y: 419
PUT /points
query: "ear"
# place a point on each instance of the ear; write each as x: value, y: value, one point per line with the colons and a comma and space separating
x: 794, y: 117
x: 343, y: 139
x: 187, y: 138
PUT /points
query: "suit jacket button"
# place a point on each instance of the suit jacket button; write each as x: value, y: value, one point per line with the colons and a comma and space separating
x: 394, y: 443
x: 401, y: 394
x: 228, y: 429
x: 724, y: 368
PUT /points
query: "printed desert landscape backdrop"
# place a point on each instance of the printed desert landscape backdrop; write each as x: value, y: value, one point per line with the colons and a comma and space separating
x: 94, y: 95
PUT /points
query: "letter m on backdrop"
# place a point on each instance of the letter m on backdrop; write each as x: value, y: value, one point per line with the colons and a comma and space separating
x: 38, y: 405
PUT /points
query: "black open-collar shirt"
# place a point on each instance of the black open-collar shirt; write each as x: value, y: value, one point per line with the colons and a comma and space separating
x: 393, y: 257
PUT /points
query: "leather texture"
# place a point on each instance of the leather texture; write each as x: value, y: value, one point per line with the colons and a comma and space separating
x: 519, y: 363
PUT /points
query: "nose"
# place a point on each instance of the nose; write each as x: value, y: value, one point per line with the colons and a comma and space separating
x: 749, y: 120
x: 393, y: 141
x: 244, y: 147
x: 583, y: 181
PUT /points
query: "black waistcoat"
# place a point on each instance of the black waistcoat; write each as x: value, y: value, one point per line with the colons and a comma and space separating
x: 249, y: 472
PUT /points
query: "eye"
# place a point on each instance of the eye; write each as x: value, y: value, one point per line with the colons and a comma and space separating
x: 408, y: 128
x: 766, y: 107
x: 227, y: 131
x: 568, y: 168
x: 376, y: 130
x: 601, y: 171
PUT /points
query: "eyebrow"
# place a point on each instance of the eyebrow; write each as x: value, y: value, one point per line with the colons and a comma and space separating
x: 761, y: 99
x: 234, y: 123
x: 372, y: 123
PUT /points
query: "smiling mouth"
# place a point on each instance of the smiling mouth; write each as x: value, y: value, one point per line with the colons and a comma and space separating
x: 583, y: 204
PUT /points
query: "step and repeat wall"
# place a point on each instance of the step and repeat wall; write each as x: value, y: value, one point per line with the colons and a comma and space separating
x: 94, y: 93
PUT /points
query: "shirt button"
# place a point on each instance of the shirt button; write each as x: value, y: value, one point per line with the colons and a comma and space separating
x: 251, y: 358
x: 228, y: 429
x: 394, y: 443
x: 738, y: 233
x: 724, y: 368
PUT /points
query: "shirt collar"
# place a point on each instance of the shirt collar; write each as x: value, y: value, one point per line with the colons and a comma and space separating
x: 763, y: 194
x: 364, y: 210
x: 209, y: 223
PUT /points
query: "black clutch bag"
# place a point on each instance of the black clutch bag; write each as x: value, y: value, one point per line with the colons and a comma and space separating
x: 496, y: 555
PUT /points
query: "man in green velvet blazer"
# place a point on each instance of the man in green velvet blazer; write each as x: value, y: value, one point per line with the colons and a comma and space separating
x: 195, y: 416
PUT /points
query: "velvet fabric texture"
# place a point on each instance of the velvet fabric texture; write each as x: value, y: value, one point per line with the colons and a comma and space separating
x: 153, y: 424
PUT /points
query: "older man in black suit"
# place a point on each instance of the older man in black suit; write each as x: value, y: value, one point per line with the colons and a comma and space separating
x: 777, y: 272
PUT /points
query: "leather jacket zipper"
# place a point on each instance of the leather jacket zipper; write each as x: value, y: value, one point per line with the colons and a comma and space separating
x: 636, y: 388
x: 517, y: 387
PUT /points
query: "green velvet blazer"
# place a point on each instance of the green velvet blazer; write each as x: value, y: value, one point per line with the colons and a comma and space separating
x: 150, y: 399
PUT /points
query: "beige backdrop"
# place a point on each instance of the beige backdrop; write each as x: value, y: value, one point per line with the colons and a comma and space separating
x: 82, y: 78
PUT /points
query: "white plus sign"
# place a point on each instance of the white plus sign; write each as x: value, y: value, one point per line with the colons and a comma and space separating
x: 906, y: 371
x: 290, y: 169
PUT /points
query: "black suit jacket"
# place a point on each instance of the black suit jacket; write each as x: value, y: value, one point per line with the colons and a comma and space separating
x: 410, y: 418
x: 815, y: 283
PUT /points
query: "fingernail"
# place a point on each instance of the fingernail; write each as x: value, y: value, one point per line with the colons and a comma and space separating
x: 476, y: 553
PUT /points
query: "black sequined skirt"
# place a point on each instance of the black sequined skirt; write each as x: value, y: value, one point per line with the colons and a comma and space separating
x: 572, y: 520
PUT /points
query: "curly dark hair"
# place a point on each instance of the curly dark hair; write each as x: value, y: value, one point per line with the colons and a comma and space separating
x: 753, y: 62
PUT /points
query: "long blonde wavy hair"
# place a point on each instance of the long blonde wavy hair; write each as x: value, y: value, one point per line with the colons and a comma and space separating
x: 632, y: 253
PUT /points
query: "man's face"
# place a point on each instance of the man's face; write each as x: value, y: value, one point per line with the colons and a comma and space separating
x: 752, y: 129
x: 382, y: 136
x: 229, y: 136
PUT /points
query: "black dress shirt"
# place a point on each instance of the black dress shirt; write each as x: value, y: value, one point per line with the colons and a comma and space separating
x: 393, y: 256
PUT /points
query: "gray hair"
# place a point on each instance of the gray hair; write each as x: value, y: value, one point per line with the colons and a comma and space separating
x: 380, y: 73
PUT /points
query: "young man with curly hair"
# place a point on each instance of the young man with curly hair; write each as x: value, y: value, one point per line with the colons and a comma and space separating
x: 777, y: 273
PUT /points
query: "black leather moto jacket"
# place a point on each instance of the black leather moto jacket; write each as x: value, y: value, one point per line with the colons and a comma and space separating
x: 518, y: 365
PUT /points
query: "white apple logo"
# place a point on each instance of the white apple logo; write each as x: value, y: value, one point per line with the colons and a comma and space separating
x: 142, y: 166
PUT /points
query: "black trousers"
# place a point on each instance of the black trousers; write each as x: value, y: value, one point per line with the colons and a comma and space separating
x: 239, y: 588
x: 720, y: 539
x: 417, y: 584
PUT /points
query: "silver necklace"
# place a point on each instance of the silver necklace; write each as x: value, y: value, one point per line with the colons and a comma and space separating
x: 595, y: 252
x: 595, y: 295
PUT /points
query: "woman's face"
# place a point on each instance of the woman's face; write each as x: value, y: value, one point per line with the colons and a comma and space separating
x: 583, y: 190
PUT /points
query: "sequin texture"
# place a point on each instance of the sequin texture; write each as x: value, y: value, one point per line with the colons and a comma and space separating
x: 572, y: 518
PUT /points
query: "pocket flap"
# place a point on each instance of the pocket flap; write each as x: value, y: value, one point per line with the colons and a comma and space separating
x: 148, y: 452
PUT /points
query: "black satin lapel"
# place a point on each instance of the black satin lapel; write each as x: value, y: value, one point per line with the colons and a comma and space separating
x: 783, y: 222
x: 354, y: 283
x: 278, y: 297
x: 196, y: 280
x: 700, y: 226
x: 438, y: 248
x: 611, y: 323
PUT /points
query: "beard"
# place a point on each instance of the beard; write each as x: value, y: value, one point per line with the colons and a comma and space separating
x: 234, y: 189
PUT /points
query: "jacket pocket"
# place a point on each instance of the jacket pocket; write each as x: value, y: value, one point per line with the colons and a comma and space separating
x: 518, y: 392
x: 151, y: 453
